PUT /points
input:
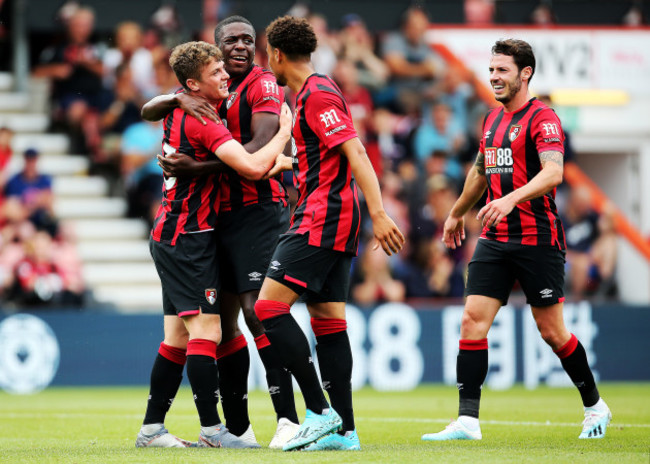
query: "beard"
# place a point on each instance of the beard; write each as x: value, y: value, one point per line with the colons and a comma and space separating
x: 513, y: 88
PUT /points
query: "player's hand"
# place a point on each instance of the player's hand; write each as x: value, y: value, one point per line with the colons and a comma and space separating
x: 453, y: 232
x: 197, y: 107
x: 286, y: 120
x: 178, y: 165
x: 387, y: 234
x: 282, y: 163
x: 492, y: 213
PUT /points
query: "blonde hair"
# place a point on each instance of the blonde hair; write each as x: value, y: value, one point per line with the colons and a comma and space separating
x: 188, y: 60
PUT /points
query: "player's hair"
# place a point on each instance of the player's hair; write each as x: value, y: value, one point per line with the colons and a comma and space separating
x: 188, y: 60
x: 519, y: 50
x: 293, y: 36
x: 230, y: 20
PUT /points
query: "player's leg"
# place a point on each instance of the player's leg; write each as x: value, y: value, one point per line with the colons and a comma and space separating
x: 567, y: 347
x: 278, y: 379
x: 166, y: 376
x: 205, y: 334
x: 335, y: 363
x: 489, y: 282
x: 233, y: 364
x: 541, y: 274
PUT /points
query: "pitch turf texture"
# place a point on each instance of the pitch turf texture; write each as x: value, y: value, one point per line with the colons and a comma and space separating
x: 99, y: 425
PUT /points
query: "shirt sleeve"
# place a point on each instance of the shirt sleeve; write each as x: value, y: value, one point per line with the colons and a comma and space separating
x: 546, y: 131
x: 211, y: 136
x: 265, y: 95
x: 328, y: 116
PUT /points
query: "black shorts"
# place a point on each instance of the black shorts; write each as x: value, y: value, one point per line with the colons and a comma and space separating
x: 319, y: 275
x: 247, y: 237
x: 496, y: 265
x: 189, y: 273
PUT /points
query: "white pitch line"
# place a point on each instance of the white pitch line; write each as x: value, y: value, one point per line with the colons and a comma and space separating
x: 419, y: 420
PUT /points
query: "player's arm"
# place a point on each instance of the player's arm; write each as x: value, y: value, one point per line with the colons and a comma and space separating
x: 386, y: 232
x: 159, y: 107
x: 475, y: 184
x: 549, y: 177
x: 254, y: 166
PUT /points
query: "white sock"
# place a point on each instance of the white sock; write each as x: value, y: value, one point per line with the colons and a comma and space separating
x: 600, y: 406
x: 211, y: 430
x: 150, y: 429
x: 470, y: 422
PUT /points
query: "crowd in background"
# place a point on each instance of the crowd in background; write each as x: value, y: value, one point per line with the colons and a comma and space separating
x: 418, y: 117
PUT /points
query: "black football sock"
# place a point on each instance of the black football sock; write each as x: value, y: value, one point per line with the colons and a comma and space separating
x: 166, y: 377
x: 471, y: 370
x: 203, y: 376
x: 233, y: 364
x: 335, y: 362
x: 292, y: 348
x: 278, y: 379
x: 574, y: 361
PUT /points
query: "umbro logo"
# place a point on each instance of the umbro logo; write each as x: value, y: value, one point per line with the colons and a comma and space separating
x: 274, y: 390
x: 275, y: 265
x: 546, y: 293
x: 326, y: 385
x: 487, y: 134
x: 254, y: 276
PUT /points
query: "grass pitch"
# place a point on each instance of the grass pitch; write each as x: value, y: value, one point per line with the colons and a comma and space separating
x: 99, y: 425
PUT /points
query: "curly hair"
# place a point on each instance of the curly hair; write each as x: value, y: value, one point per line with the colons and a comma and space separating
x: 293, y: 36
x: 188, y: 60
x: 520, y: 51
x: 218, y: 30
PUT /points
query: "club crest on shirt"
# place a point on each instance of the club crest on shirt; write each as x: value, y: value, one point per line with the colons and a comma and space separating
x: 515, y: 130
x: 231, y: 99
x: 211, y: 295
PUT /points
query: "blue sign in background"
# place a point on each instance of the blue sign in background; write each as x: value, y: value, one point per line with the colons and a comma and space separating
x: 395, y: 346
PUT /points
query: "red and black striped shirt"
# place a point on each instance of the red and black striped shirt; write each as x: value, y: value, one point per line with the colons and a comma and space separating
x: 511, y: 144
x: 189, y: 204
x: 328, y: 206
x: 254, y: 92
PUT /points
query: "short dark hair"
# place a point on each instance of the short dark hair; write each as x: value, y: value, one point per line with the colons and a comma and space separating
x: 293, y: 36
x: 519, y: 50
x: 230, y: 20
x: 188, y: 60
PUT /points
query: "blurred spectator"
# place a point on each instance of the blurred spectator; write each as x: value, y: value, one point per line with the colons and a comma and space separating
x: 37, y: 280
x: 440, y: 131
x: 130, y: 52
x: 591, y: 246
x: 6, y: 152
x: 76, y: 69
x: 66, y: 256
x: 324, y: 58
x: 479, y: 12
x: 428, y: 220
x: 358, y: 47
x: 432, y: 273
x: 413, y: 64
x: 373, y: 281
x: 127, y: 101
x: 392, y: 134
x: 140, y: 171
x: 166, y: 22
x: 28, y: 196
x: 543, y: 14
x: 634, y: 16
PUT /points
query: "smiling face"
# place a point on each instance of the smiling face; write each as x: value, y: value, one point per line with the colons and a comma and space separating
x: 213, y: 84
x: 505, y: 77
x: 237, y: 43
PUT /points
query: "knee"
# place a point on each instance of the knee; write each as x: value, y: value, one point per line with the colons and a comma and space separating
x: 252, y: 321
x: 553, y: 337
x: 473, y: 325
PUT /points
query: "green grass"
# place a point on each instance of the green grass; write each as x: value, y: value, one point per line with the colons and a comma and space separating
x: 98, y: 425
